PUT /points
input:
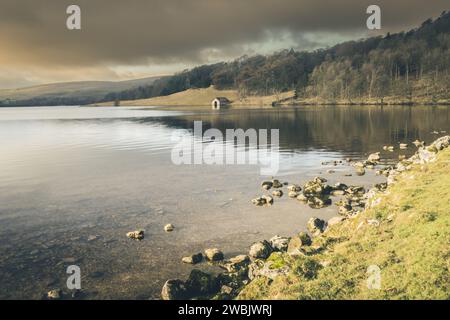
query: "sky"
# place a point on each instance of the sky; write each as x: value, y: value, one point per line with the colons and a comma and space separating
x: 130, y: 39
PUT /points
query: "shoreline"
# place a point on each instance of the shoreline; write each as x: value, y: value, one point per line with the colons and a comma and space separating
x: 296, y: 267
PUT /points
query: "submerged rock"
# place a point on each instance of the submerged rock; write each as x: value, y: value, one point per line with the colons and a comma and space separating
x: 173, y: 289
x: 260, y: 250
x: 193, y: 259
x: 214, y: 254
x: 136, y: 235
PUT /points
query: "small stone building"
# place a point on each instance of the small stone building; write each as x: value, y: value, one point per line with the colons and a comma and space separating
x: 219, y: 102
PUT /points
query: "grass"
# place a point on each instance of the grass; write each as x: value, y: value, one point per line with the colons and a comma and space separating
x: 203, y: 97
x: 410, y: 246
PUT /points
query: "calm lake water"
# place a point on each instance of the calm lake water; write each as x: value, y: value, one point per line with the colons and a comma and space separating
x: 75, y: 180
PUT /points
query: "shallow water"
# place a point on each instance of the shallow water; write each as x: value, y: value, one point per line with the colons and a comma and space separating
x: 74, y: 180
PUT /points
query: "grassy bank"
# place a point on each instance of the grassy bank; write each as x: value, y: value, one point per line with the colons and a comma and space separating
x: 204, y: 97
x: 407, y: 235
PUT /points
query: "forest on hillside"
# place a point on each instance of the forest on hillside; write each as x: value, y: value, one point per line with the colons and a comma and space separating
x: 406, y: 65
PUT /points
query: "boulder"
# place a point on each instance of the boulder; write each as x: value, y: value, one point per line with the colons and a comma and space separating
x: 237, y: 264
x: 173, y: 289
x: 54, y: 294
x: 269, y: 199
x: 279, y: 243
x: 260, y: 201
x: 374, y: 157
x: 360, y: 171
x: 335, y: 220
x: 136, y: 235
x: 193, y: 259
x: 316, y: 226
x: 214, y: 254
x: 169, y: 227
x: 200, y: 284
x: 276, y: 184
x: 294, y: 188
x: 266, y: 185
x: 260, y: 250
x: 277, y: 193
x: 298, y: 241
x: 318, y: 203
x: 292, y: 194
x: 301, y: 197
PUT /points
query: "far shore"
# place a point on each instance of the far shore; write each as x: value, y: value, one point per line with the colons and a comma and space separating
x: 201, y: 99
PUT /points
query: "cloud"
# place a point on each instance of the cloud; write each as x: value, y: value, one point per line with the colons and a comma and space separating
x: 165, y: 32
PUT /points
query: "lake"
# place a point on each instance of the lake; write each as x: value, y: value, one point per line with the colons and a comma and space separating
x: 75, y: 180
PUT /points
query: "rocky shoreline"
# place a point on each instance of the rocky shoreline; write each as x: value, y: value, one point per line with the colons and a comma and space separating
x: 264, y: 258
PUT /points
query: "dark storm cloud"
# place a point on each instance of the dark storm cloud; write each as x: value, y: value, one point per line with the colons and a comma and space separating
x: 165, y: 31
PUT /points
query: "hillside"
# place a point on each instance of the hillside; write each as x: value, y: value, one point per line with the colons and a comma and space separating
x: 405, y: 233
x: 203, y: 97
x: 81, y: 92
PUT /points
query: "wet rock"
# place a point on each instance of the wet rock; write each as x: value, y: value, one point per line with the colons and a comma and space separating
x: 301, y: 197
x: 318, y: 203
x: 260, y: 201
x: 92, y: 238
x: 54, y: 294
x: 260, y: 250
x: 277, y: 193
x: 214, y: 254
x: 136, y: 235
x: 360, y: 171
x: 173, y: 289
x: 292, y: 194
x: 193, y: 259
x: 374, y: 157
x: 200, y: 284
x: 418, y: 143
x: 359, y: 164
x: 442, y: 143
x: 316, y: 226
x: 237, y: 264
x: 279, y: 243
x: 169, y: 227
x: 269, y: 199
x: 294, y: 188
x: 276, y: 184
x: 266, y: 185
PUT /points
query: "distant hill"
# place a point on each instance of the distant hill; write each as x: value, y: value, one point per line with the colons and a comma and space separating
x: 70, y: 93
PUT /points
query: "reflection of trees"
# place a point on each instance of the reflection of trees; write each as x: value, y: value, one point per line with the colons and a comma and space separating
x: 337, y: 128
